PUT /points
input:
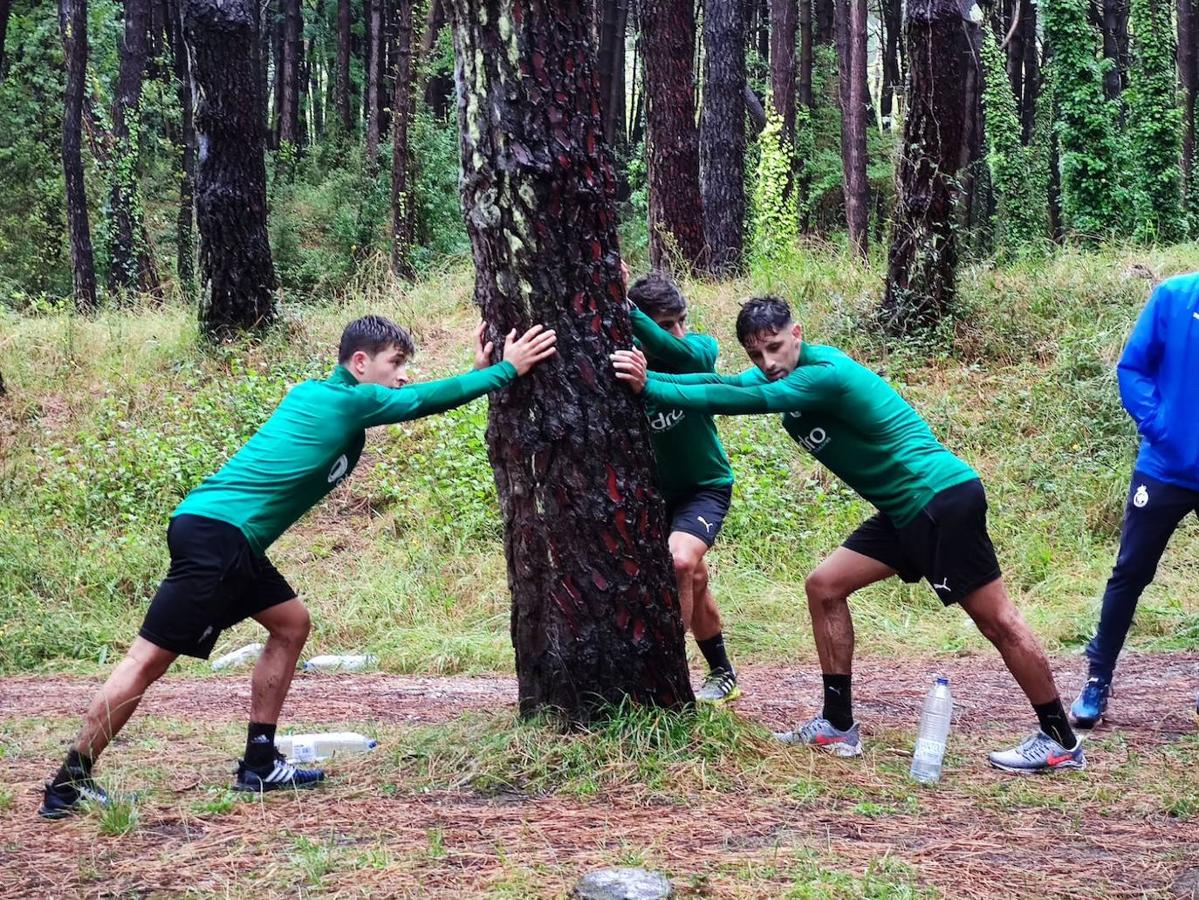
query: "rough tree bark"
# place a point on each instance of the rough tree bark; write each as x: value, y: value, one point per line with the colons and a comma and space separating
x: 185, y: 240
x: 5, y: 9
x: 72, y: 21
x: 1032, y: 74
x: 613, y: 26
x: 805, y: 53
x: 923, y: 258
x: 722, y: 135
x: 402, y: 163
x: 289, y: 95
x: 237, y: 278
x: 1112, y: 19
x: 784, y: 20
x: 1188, y: 71
x: 342, y: 95
x: 374, y: 61
x: 594, y: 610
x: 851, y: 66
x: 676, y: 218
x: 132, y: 265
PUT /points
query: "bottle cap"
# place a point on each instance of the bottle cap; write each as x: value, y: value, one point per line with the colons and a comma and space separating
x: 942, y: 679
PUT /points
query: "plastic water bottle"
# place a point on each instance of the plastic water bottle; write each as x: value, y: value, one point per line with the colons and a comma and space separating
x: 245, y: 654
x: 934, y: 731
x: 313, y: 747
x: 345, y: 662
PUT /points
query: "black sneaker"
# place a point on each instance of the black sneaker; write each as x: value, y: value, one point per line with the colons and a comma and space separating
x: 279, y: 775
x: 62, y: 798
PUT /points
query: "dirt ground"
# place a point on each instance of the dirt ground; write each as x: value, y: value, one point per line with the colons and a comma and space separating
x: 981, y: 834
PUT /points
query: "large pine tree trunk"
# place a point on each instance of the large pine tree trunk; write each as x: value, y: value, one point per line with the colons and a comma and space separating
x: 237, y: 277
x: 289, y: 98
x: 132, y: 265
x: 402, y: 170
x: 594, y: 608
x: 722, y: 137
x: 1112, y: 18
x: 277, y: 22
x: 1032, y: 74
x: 784, y: 19
x: 440, y: 88
x: 343, y: 67
x: 923, y: 258
x: 824, y: 15
x: 851, y: 65
x: 72, y: 20
x: 1188, y: 72
x: 374, y: 62
x: 184, y: 238
x: 5, y: 9
x: 676, y: 218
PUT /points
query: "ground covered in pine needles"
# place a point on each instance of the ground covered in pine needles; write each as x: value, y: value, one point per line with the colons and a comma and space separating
x: 461, y: 799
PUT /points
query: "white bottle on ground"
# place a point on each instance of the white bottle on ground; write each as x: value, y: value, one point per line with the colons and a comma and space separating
x: 933, y: 734
x: 304, y: 748
x: 344, y: 662
x: 245, y: 654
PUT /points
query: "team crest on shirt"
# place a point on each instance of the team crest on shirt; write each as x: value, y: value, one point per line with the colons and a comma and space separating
x: 1141, y: 498
x: 338, y: 472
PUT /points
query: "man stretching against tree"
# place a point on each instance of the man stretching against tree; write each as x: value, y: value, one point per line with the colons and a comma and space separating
x: 1159, y: 385
x: 219, y: 534
x: 693, y: 471
x: 931, y: 520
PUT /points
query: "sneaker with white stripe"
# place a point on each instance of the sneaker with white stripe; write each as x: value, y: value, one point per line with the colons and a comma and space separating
x: 279, y: 776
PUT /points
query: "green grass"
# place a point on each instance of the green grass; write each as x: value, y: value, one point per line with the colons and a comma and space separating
x: 109, y: 422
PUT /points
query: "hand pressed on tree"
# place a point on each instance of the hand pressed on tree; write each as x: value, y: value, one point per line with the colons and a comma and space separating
x: 630, y: 368
x: 483, y: 347
x: 534, y: 346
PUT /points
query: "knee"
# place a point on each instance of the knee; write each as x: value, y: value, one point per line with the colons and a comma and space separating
x: 1002, y: 626
x: 824, y: 588
x: 685, y: 567
x: 147, y: 668
x: 294, y: 629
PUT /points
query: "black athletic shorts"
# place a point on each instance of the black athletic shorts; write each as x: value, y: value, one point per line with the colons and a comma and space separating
x: 947, y: 543
x: 215, y: 581
x: 700, y: 513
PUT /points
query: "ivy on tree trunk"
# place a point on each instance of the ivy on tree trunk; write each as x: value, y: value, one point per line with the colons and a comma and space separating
x: 595, y: 614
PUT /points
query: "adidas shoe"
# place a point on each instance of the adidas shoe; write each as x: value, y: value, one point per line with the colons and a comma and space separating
x: 280, y: 775
x: 819, y: 732
x: 719, y: 687
x: 1039, y: 753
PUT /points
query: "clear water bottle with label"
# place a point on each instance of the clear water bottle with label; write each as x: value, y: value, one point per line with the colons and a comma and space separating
x: 304, y: 748
x: 248, y: 653
x: 342, y: 662
x: 933, y: 733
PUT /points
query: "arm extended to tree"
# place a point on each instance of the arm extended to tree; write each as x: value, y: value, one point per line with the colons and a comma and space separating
x: 388, y: 405
x: 798, y: 391
x: 696, y: 355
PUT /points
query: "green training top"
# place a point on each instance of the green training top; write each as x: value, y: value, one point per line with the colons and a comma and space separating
x: 843, y: 414
x: 687, y: 448
x: 313, y: 441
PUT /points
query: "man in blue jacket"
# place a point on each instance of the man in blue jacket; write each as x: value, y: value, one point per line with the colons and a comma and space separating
x: 1159, y: 386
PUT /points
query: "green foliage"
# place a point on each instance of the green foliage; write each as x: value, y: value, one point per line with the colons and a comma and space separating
x: 1095, y: 196
x: 1019, y: 173
x: 775, y: 212
x: 1154, y: 124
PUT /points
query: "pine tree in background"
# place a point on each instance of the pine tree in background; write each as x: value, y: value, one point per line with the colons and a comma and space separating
x: 1095, y: 199
x: 1154, y: 125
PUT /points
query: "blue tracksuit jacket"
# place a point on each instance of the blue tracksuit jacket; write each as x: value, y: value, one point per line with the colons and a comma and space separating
x: 1159, y: 382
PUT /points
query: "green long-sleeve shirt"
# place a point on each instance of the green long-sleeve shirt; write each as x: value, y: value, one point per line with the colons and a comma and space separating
x: 313, y: 441
x: 844, y: 415
x: 686, y: 445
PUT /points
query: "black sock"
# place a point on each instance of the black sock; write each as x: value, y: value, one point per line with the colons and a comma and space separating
x: 1055, y: 724
x: 74, y: 765
x: 260, y: 746
x: 713, y: 650
x: 838, y: 701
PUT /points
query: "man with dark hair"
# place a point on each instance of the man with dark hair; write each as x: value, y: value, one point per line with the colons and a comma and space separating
x: 219, y: 535
x: 931, y: 519
x: 1159, y: 385
x: 693, y: 471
